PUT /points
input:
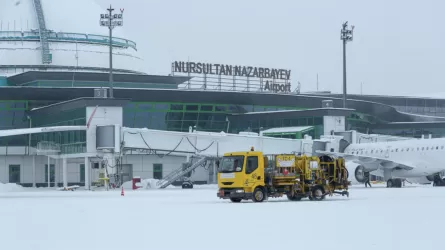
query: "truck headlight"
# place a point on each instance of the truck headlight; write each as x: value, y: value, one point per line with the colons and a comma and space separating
x: 239, y: 191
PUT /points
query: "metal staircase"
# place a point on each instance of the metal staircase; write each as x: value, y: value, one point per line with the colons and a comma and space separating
x: 46, y: 55
x: 180, y: 172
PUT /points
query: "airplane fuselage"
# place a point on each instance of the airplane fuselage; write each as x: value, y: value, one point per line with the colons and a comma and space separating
x: 425, y: 155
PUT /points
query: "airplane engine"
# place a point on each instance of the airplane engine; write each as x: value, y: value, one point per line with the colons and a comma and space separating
x: 357, y: 172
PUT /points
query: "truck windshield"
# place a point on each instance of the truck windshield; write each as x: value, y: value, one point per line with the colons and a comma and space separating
x: 231, y: 164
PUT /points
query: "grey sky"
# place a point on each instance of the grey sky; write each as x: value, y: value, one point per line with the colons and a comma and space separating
x: 397, y: 47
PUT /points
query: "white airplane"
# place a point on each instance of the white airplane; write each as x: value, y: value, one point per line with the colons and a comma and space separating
x: 416, y: 160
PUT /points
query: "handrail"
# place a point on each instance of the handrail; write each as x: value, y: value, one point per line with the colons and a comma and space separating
x: 65, y: 36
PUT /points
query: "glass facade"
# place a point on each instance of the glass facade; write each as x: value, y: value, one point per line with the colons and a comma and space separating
x: 412, y: 130
x: 432, y: 107
x: 13, y: 115
x: 180, y: 116
x: 420, y: 106
x: 257, y: 125
x: 69, y: 141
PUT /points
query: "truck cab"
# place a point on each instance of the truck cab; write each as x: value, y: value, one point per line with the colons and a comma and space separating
x: 241, y: 176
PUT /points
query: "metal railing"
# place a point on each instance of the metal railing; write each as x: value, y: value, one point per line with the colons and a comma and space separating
x: 65, y: 37
x: 46, y: 55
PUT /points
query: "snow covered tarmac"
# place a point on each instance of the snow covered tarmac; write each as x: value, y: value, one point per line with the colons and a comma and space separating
x: 376, y: 218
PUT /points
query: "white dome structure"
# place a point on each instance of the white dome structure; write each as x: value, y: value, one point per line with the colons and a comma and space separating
x: 63, y: 36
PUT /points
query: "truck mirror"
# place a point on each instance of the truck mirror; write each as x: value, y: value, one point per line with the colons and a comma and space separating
x: 217, y: 163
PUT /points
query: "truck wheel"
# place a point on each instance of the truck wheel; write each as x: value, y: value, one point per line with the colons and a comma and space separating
x: 294, y: 198
x: 236, y: 200
x: 258, y: 195
x: 317, y: 194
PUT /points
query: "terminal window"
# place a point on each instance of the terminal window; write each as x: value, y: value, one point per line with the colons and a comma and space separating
x: 157, y: 171
x: 52, y: 172
x: 82, y: 173
x: 14, y: 173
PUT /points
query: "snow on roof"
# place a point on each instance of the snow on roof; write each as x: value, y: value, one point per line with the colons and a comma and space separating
x: 287, y: 129
x: 292, y: 110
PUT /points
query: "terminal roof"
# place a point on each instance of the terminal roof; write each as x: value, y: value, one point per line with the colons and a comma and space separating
x: 32, y: 76
x: 319, y: 112
x: 79, y: 103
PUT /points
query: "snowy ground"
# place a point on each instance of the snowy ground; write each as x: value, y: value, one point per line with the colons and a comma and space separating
x: 376, y: 218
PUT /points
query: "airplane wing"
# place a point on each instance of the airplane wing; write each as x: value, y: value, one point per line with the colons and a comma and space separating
x: 384, y: 163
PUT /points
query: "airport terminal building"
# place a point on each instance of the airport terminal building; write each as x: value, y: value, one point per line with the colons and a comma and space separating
x: 47, y: 64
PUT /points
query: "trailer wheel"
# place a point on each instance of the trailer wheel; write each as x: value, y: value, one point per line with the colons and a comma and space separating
x: 236, y: 200
x: 258, y: 195
x: 317, y: 194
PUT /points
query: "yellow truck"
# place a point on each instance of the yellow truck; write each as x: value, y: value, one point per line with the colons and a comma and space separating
x: 250, y: 175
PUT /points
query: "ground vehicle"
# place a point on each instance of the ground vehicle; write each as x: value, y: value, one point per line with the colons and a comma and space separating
x: 252, y: 175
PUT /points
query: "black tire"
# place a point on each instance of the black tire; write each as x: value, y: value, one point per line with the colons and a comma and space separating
x: 398, y: 183
x: 187, y: 185
x: 317, y: 193
x: 235, y: 200
x: 294, y: 198
x: 258, y: 195
x: 389, y: 183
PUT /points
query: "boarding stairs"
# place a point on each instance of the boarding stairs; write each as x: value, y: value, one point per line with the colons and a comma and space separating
x: 182, y: 171
x: 46, y: 55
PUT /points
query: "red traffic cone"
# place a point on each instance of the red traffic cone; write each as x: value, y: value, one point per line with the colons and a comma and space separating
x: 122, y: 192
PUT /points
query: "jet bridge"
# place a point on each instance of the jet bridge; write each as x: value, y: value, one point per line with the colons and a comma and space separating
x: 204, y: 146
x: 208, y: 143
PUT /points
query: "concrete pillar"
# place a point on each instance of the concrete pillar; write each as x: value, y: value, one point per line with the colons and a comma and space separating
x: 34, y: 171
x: 56, y: 173
x: 87, y: 174
x: 49, y: 172
x: 65, y: 172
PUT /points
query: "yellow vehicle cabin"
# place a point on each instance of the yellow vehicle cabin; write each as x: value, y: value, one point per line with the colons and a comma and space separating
x: 250, y: 175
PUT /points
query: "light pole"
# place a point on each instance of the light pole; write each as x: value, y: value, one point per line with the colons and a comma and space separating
x: 111, y: 20
x: 346, y: 36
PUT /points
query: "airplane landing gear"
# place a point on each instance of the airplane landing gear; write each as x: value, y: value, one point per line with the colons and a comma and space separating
x: 394, y: 183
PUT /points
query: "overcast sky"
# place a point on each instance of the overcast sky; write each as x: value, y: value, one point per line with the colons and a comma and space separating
x: 398, y: 45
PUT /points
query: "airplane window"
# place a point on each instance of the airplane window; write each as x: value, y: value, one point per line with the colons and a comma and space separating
x: 407, y: 149
x: 423, y: 148
x: 441, y: 147
x: 372, y: 151
x: 397, y: 149
x: 401, y: 150
x: 437, y: 147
